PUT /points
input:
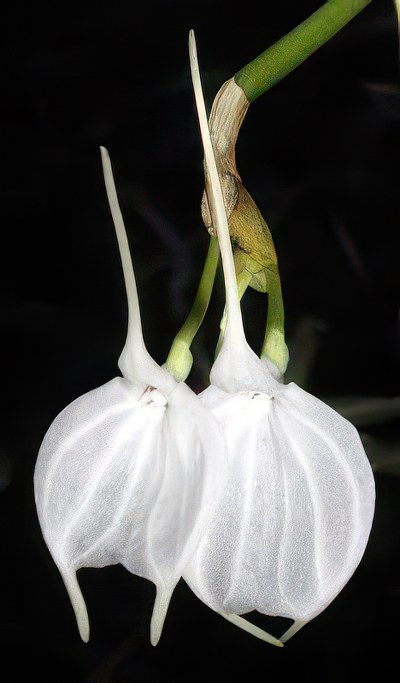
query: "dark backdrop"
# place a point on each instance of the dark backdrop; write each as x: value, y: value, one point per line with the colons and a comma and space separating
x: 319, y: 153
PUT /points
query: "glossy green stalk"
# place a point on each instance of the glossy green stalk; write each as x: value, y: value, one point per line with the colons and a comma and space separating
x: 180, y: 359
x: 274, y: 346
x: 294, y: 48
x: 254, y: 79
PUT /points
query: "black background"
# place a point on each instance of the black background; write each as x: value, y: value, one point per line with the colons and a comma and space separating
x: 319, y: 153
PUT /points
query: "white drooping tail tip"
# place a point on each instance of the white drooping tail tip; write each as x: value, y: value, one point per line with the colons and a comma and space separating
x: 216, y: 201
x: 237, y: 368
x: 296, y: 626
x: 254, y: 630
x: 135, y: 362
x: 77, y: 601
x: 160, y: 609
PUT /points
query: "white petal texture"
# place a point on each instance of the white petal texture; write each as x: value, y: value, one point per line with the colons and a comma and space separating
x: 129, y: 473
x: 294, y: 519
x: 122, y: 479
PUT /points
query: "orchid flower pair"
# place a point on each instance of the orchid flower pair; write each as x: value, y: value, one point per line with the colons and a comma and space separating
x: 255, y: 492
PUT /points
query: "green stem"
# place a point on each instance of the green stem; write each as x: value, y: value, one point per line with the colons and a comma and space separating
x: 294, y: 48
x: 274, y: 346
x: 180, y: 360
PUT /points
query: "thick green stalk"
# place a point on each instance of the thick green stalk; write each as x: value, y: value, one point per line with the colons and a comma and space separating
x: 180, y: 359
x: 294, y: 48
x: 251, y: 81
x: 274, y: 346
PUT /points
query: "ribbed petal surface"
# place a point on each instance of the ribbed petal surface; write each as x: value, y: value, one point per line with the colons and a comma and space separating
x: 294, y: 519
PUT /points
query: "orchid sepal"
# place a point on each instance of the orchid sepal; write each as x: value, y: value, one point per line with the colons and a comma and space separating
x: 129, y: 472
x: 294, y: 519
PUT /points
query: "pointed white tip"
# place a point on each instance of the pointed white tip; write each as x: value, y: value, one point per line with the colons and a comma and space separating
x: 252, y: 629
x: 105, y: 160
x: 296, y: 626
x: 160, y: 609
x: 192, y: 46
x: 134, y: 362
x: 216, y: 204
x: 78, y: 602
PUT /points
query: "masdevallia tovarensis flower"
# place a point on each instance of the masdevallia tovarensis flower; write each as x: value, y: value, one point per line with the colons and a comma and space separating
x: 255, y: 492
x: 129, y: 472
x: 293, y: 521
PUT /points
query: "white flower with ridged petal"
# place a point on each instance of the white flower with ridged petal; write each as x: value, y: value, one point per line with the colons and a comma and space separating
x: 294, y: 519
x: 130, y: 472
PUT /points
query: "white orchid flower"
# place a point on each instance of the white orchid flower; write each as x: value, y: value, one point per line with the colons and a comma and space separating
x: 293, y: 521
x: 129, y: 473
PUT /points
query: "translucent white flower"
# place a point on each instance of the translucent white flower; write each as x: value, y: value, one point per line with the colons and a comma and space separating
x: 293, y: 521
x: 129, y: 472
